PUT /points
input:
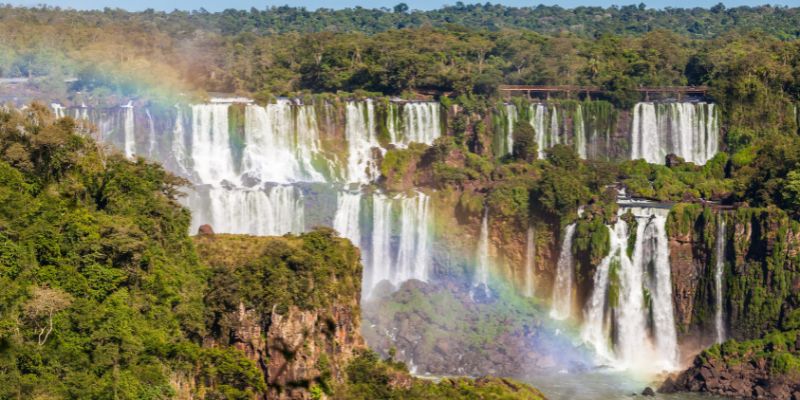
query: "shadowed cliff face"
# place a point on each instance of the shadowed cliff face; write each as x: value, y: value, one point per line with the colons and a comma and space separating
x: 290, y: 307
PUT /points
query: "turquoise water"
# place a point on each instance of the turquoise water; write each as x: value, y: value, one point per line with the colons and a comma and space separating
x: 602, y: 386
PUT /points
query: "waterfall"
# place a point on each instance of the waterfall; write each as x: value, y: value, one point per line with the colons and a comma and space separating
x: 360, y: 135
x: 421, y: 123
x: 688, y: 130
x: 278, y: 144
x: 595, y: 328
x: 562, y: 290
x: 410, y: 258
x: 178, y: 146
x: 151, y: 150
x: 554, y: 131
x: 212, y: 158
x: 272, y: 211
x: 391, y: 124
x: 128, y: 131
x: 530, y: 261
x: 719, y: 270
x: 58, y: 110
x: 346, y: 220
x: 511, y: 119
x: 537, y: 115
x: 482, y: 256
x: 580, y: 132
x: 382, y: 260
x: 629, y: 317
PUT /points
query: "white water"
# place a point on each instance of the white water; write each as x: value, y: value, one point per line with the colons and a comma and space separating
x: 580, y: 133
x: 405, y: 222
x: 688, y: 130
x: 421, y: 123
x: 151, y: 136
x: 719, y: 271
x: 273, y: 211
x: 511, y: 119
x: 530, y: 262
x: 278, y: 145
x: 360, y: 136
x: 537, y: 117
x: 178, y: 145
x: 562, y: 289
x: 346, y: 220
x: 596, y: 326
x: 645, y: 338
x: 482, y: 256
x: 128, y: 131
x: 211, y: 155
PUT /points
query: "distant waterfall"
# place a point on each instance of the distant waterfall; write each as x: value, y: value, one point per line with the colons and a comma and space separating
x: 279, y: 144
x: 719, y: 271
x: 629, y: 317
x: 58, y: 110
x: 511, y: 119
x: 405, y: 222
x: 580, y: 133
x: 537, y: 117
x: 272, y: 211
x: 688, y: 130
x: 128, y: 131
x: 482, y: 256
x: 178, y: 145
x: 346, y: 220
x: 151, y: 136
x: 530, y: 262
x: 211, y: 153
x: 421, y: 123
x: 562, y: 289
x: 360, y: 135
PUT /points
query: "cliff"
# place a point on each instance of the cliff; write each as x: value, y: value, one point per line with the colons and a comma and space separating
x: 291, y: 304
x: 767, y: 368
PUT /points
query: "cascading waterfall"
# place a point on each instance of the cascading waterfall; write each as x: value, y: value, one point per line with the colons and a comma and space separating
x: 151, y: 136
x: 580, y: 132
x: 128, y: 131
x: 278, y: 145
x: 262, y: 211
x: 562, y: 290
x: 360, y: 135
x: 410, y: 257
x: 719, y: 270
x: 482, y: 256
x: 537, y: 115
x: 688, y: 130
x: 629, y: 317
x: 530, y: 261
x: 511, y: 119
x: 178, y: 146
x: 346, y: 221
x: 212, y: 158
x: 58, y: 110
x: 421, y: 123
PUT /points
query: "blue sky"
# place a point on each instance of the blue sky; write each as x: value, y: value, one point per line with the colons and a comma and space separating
x: 216, y: 5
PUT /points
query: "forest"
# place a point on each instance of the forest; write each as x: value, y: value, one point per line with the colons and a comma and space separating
x: 103, y: 283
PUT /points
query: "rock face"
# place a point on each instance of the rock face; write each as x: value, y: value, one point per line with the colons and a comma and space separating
x: 751, y: 379
x: 299, y: 341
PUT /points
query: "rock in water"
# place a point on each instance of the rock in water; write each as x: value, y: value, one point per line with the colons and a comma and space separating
x: 648, y: 391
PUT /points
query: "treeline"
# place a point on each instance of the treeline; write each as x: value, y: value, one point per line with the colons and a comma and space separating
x: 781, y: 22
x: 123, y: 53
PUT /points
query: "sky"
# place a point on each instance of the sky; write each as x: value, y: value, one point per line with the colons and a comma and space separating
x: 217, y: 5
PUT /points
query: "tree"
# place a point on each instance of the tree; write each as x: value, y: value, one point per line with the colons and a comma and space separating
x: 525, y: 148
x: 401, y: 8
x: 43, y: 305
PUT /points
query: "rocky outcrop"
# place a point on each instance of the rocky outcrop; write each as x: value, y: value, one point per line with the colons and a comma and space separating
x: 299, y: 337
x: 757, y: 369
